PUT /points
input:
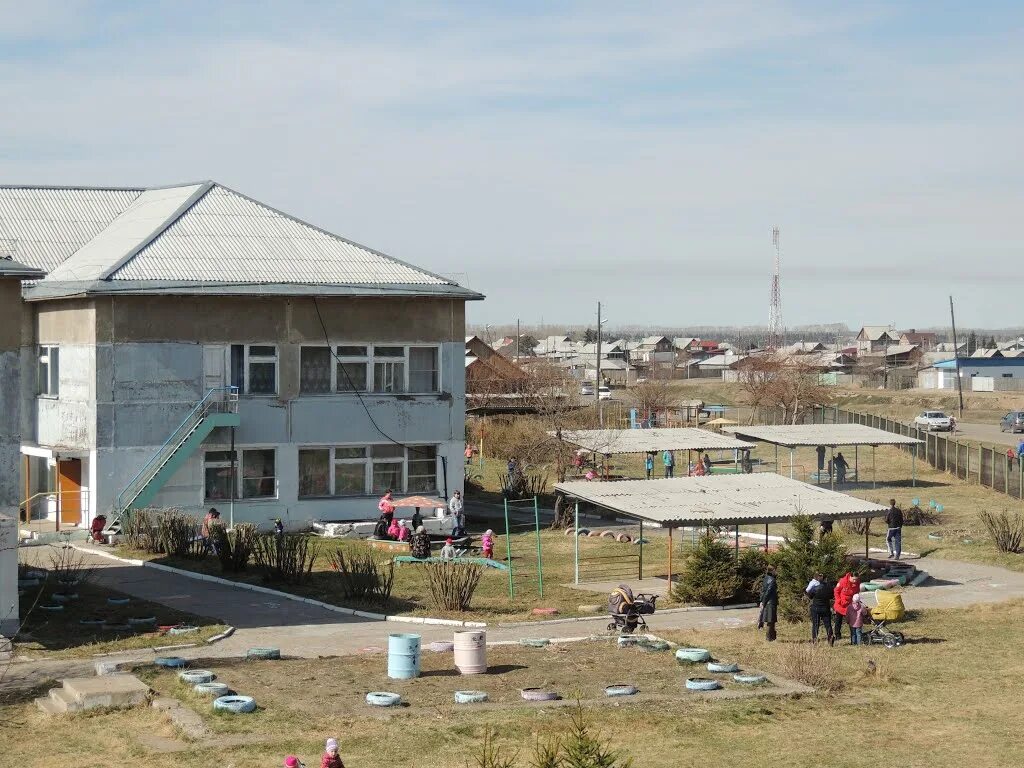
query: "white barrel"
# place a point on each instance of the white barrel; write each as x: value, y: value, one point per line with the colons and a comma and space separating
x: 471, y: 652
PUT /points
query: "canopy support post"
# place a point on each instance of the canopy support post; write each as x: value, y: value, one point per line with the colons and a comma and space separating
x: 874, y: 468
x: 670, y: 562
x: 790, y: 463
x: 867, y: 527
x: 766, y: 537
x: 737, y: 542
x: 832, y: 468
x: 913, y: 467
x: 776, y: 458
x: 641, y: 563
x: 576, y: 544
x: 856, y: 463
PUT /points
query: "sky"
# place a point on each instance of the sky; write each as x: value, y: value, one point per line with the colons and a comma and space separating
x: 553, y: 155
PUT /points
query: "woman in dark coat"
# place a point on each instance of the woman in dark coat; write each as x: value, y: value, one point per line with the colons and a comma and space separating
x: 769, y: 602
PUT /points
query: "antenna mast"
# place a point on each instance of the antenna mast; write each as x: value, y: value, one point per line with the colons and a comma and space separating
x: 775, y: 310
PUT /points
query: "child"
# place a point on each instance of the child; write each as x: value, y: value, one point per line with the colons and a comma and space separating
x: 649, y: 465
x: 448, y: 550
x: 403, y: 531
x: 394, y: 529
x: 331, y: 758
x: 293, y: 762
x: 855, y: 616
x: 488, y: 544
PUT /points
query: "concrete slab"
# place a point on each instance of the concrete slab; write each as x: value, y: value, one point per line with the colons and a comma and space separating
x: 63, y: 701
x: 48, y: 706
x: 108, y: 691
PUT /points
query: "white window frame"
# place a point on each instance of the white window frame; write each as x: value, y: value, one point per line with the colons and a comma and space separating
x: 240, y: 472
x: 247, y: 358
x: 370, y: 360
x: 50, y: 389
x: 367, y: 461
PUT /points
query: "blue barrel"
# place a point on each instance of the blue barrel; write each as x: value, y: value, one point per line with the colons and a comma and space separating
x: 403, y: 656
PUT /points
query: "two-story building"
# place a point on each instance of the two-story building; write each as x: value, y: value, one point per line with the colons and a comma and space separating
x: 192, y: 347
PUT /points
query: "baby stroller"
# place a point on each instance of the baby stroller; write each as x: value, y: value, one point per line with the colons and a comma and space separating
x: 627, y: 611
x: 889, y: 609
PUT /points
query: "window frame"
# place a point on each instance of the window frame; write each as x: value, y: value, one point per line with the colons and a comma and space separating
x: 50, y: 388
x: 367, y: 461
x: 370, y: 360
x: 240, y: 471
x: 247, y: 359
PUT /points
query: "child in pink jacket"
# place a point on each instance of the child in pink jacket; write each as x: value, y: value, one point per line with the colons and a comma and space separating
x: 855, y: 615
x: 487, y: 542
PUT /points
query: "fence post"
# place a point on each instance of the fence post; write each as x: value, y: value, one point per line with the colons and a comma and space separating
x: 540, y: 559
x: 1006, y: 475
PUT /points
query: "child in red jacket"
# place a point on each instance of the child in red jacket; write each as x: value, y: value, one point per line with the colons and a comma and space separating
x: 331, y: 758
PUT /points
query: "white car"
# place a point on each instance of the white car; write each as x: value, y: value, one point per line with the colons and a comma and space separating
x: 604, y: 393
x: 587, y: 390
x: 934, y: 421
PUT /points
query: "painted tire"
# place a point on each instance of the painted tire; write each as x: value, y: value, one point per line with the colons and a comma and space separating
x: 871, y: 587
x: 182, y: 630
x: 623, y: 538
x: 607, y: 534
x: 593, y: 534
x: 470, y: 697
x: 28, y: 583
x: 51, y: 608
x: 69, y: 582
x: 36, y: 575
x: 702, y: 684
x: 263, y: 653
x: 212, y: 689
x: 544, y: 611
x: 196, y: 676
x: 656, y: 645
x: 538, y: 694
x: 63, y: 597
x: 751, y: 678
x: 142, y: 620
x: 238, y: 705
x: 584, y: 531
x: 118, y: 600
x: 692, y: 655
x: 569, y: 531
x: 442, y: 647
x: 383, y: 699
x: 621, y: 689
x: 534, y: 642
x: 171, y: 662
x: 117, y: 627
x: 628, y: 641
x: 723, y: 666
x: 91, y: 622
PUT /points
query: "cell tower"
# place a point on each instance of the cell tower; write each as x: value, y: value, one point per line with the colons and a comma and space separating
x: 775, y: 310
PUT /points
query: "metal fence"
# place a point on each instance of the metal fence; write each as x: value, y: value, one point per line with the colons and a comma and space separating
x: 991, y: 467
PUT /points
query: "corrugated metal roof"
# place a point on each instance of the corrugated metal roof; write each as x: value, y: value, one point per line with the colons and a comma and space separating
x: 796, y: 435
x: 11, y: 268
x: 720, y: 500
x: 227, y: 237
x: 48, y: 224
x: 610, y: 441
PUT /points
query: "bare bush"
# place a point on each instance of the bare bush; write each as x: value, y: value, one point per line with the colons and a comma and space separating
x: 177, y: 534
x: 856, y: 525
x: 288, y: 557
x: 69, y: 566
x: 810, y: 664
x: 784, y: 384
x: 1007, y: 530
x: 452, y: 584
x: 234, y: 547
x: 138, y: 529
x: 654, y: 396
x: 918, y: 516
x: 364, y: 578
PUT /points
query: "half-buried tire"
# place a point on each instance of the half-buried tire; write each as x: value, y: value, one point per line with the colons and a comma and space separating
x: 750, y: 678
x: 692, y: 655
x: 621, y: 689
x: 723, y: 666
x: 702, y: 684
x: 263, y: 653
x: 470, y: 697
x: 238, y: 705
x: 538, y: 694
x: 383, y: 699
x: 196, y: 676
x: 212, y: 689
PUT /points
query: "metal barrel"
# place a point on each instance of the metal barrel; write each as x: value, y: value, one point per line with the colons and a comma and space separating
x: 471, y: 652
x: 403, y: 656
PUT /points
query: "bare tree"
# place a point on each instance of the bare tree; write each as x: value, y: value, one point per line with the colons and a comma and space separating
x: 654, y: 395
x: 782, y: 384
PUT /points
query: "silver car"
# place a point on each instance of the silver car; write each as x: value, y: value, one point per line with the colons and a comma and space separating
x: 1013, y: 421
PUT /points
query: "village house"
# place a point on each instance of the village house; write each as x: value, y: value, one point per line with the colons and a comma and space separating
x: 192, y: 347
x: 924, y: 341
x: 876, y: 338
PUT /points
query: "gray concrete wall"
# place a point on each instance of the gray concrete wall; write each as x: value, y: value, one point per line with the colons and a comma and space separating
x: 10, y: 440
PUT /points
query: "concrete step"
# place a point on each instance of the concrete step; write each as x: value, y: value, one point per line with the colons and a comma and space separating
x: 63, y: 701
x: 108, y: 691
x: 47, y: 705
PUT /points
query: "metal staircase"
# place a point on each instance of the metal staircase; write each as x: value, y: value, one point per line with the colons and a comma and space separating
x: 219, y: 408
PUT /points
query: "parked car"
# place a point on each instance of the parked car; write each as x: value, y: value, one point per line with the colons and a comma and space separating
x: 604, y: 392
x: 587, y: 390
x: 1013, y: 421
x: 934, y: 421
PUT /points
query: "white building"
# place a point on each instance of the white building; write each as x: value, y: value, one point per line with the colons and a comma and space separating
x: 190, y: 346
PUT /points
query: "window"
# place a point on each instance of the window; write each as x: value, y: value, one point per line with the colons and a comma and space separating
x: 254, y: 467
x: 315, y: 370
x: 351, y: 369
x: 350, y: 471
x: 314, y: 472
x: 1007, y: 375
x: 254, y: 368
x: 388, y: 461
x: 423, y: 370
x: 389, y: 369
x: 422, y: 468
x: 49, y: 371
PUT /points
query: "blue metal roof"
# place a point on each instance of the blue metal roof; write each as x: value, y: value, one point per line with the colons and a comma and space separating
x: 983, y: 362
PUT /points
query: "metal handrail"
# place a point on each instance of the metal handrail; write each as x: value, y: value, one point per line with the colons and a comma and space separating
x: 226, y: 402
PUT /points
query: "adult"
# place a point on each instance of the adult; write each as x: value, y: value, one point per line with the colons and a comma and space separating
x: 707, y: 464
x: 419, y: 544
x: 457, y: 509
x: 820, y: 590
x: 841, y: 465
x: 669, y: 460
x: 746, y: 463
x: 212, y: 518
x: 821, y: 460
x: 386, y: 505
x: 894, y: 534
x: 649, y: 465
x: 769, y: 603
x: 417, y: 518
x: 1020, y: 449
x: 845, y: 589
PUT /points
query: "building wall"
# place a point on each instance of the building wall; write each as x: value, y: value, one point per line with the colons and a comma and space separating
x: 145, y: 365
x: 10, y: 441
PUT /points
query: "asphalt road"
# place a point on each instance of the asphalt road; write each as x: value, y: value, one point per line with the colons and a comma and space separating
x: 986, y: 433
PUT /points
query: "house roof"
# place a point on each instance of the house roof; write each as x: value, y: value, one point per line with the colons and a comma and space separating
x: 683, y: 342
x: 192, y: 238
x: 982, y: 362
x: 875, y: 332
x: 917, y: 337
x: 11, y: 268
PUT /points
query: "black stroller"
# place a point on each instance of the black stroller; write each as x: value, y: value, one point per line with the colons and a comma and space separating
x: 627, y: 611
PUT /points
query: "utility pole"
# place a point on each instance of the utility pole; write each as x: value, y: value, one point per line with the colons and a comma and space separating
x: 956, y: 357
x: 597, y: 377
x: 519, y: 339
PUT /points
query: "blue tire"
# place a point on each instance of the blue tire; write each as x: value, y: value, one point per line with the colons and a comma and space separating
x: 628, y: 641
x: 263, y: 653
x: 141, y: 620
x: 692, y: 655
x: 237, y: 705
x: 118, y: 600
x: 656, y: 645
x: 383, y: 699
x: 181, y: 630
x: 751, y: 678
x: 470, y: 697
x: 702, y: 684
x: 723, y: 666
x: 212, y: 689
x: 171, y: 662
x: 534, y: 642
x: 621, y: 690
x: 196, y: 676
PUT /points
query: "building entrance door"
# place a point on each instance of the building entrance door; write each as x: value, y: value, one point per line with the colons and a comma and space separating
x: 69, y: 490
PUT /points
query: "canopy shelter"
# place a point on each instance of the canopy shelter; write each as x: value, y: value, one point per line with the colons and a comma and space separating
x: 612, y: 441
x: 830, y: 436
x: 427, y: 502
x: 725, y: 500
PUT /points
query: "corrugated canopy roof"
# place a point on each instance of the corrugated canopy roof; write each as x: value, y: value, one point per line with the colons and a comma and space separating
x: 795, y: 435
x: 609, y: 441
x: 720, y: 500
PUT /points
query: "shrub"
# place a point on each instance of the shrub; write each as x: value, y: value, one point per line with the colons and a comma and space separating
x: 854, y: 525
x: 1005, y: 529
x: 137, y: 528
x: 68, y: 565
x: 177, y: 534
x: 810, y: 664
x: 799, y: 558
x: 364, y: 579
x: 452, y: 584
x: 234, y: 548
x: 709, y: 575
x: 750, y: 569
x: 288, y: 557
x: 917, y: 516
